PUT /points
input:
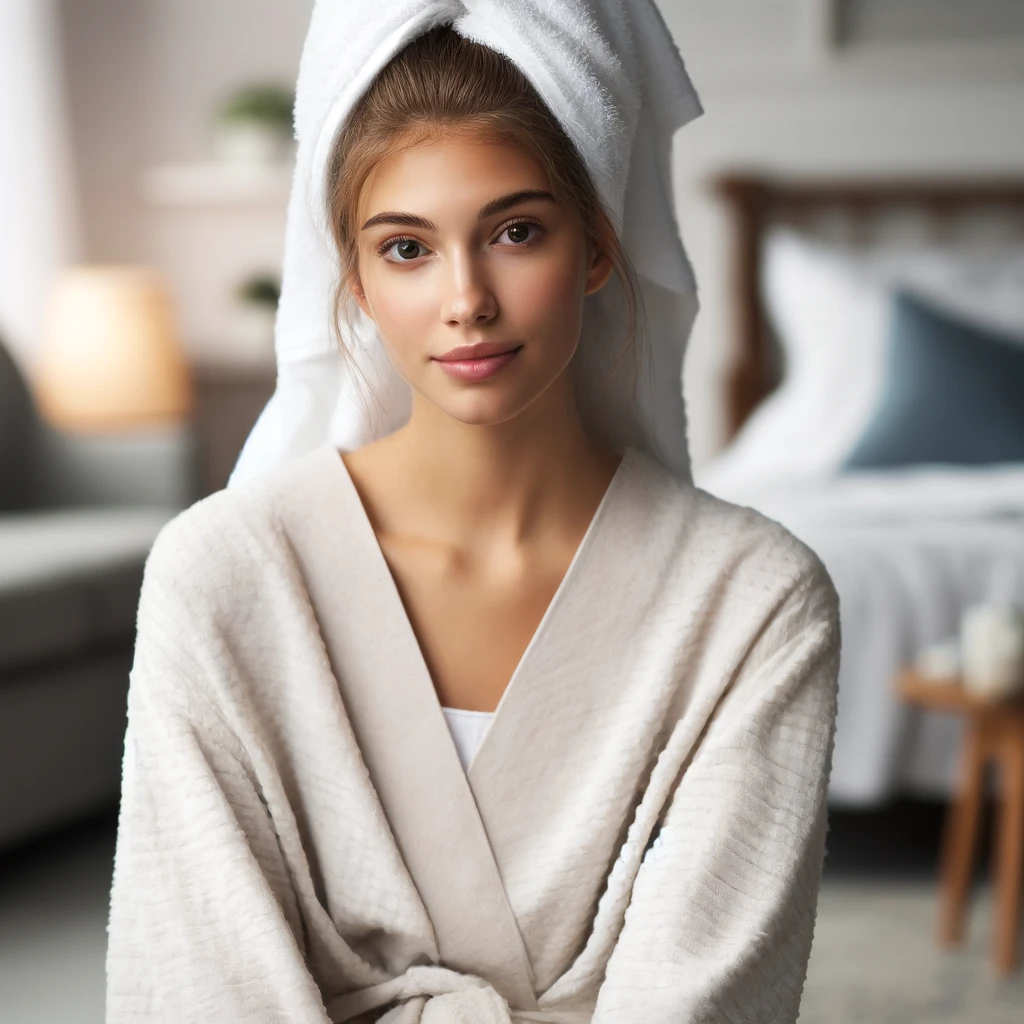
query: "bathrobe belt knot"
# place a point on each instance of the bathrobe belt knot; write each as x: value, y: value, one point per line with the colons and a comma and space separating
x: 437, y: 995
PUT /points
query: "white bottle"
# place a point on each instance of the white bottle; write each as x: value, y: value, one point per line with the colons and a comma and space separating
x: 992, y: 650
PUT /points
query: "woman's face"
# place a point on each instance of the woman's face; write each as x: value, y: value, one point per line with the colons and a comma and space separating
x: 460, y: 242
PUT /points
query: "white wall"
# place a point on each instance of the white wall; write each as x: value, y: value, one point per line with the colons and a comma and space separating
x: 145, y: 81
x: 146, y: 75
x: 38, y: 223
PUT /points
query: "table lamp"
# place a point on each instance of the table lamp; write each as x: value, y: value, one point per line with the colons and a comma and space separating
x: 110, y: 358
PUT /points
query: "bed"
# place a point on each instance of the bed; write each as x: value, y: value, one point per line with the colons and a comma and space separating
x: 913, y: 498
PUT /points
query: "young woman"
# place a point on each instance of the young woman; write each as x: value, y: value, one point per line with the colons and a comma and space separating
x: 639, y: 678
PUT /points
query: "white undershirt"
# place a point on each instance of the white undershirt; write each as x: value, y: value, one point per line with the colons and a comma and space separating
x: 467, y: 729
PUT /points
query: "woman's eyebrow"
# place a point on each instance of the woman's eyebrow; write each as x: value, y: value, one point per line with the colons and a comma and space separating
x: 499, y: 205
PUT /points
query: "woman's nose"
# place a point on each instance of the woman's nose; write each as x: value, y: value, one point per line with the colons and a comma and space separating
x: 469, y: 298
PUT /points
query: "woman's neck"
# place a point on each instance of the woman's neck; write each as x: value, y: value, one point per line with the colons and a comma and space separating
x: 500, y: 484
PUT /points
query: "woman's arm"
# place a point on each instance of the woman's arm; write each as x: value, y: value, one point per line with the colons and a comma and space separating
x: 204, y: 926
x: 722, y: 910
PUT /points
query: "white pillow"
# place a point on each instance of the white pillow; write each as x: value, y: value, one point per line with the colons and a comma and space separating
x: 983, y: 284
x: 829, y: 307
x: 830, y: 322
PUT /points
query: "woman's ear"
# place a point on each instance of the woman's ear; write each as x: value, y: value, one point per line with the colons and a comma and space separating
x: 599, y: 270
x: 355, y: 286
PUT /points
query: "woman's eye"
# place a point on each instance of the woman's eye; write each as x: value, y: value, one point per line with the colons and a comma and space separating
x: 519, y: 233
x: 406, y: 248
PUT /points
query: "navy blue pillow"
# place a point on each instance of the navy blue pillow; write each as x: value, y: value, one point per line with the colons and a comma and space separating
x: 953, y: 393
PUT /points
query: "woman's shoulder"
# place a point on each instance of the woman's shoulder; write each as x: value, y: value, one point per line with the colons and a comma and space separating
x: 735, y: 545
x: 233, y: 528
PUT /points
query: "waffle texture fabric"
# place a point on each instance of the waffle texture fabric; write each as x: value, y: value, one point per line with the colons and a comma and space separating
x: 638, y: 839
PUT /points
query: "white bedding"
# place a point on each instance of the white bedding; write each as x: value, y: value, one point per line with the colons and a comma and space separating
x: 908, y: 550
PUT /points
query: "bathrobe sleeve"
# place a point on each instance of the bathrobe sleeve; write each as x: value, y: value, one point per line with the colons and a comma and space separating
x: 203, y: 924
x: 722, y: 911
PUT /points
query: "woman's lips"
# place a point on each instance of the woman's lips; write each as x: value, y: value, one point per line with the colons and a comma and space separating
x: 477, y: 369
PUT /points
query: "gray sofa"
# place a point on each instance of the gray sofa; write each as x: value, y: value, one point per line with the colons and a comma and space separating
x: 78, y: 515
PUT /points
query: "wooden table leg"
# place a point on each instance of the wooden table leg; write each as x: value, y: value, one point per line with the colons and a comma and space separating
x: 960, y: 837
x: 1006, y: 902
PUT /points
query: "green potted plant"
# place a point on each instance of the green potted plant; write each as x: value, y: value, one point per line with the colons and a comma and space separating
x: 255, y: 124
x: 256, y: 299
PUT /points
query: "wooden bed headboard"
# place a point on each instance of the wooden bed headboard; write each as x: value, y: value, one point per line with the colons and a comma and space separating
x: 756, y: 202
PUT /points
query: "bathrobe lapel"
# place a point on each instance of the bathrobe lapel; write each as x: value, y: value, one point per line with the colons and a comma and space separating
x: 453, y: 829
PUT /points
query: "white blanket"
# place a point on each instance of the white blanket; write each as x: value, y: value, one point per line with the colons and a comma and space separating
x: 638, y: 839
x: 911, y: 494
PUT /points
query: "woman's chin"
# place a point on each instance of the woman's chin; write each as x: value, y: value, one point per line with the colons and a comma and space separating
x: 495, y: 400
x: 479, y: 408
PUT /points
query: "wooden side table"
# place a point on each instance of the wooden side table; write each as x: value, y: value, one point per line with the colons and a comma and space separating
x: 994, y: 732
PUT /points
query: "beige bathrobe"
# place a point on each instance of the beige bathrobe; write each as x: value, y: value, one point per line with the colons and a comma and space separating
x: 638, y: 840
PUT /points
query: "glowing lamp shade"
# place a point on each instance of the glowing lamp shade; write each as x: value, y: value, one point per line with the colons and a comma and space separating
x: 110, y: 358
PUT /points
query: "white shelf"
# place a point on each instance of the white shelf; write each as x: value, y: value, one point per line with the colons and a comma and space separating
x: 218, y: 184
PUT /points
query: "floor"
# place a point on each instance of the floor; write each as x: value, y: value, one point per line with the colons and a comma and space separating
x: 53, y: 904
x: 873, y: 959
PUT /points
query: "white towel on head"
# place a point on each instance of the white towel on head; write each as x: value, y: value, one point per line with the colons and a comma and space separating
x: 612, y: 75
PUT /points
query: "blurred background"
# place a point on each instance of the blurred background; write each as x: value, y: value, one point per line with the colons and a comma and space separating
x: 853, y: 204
